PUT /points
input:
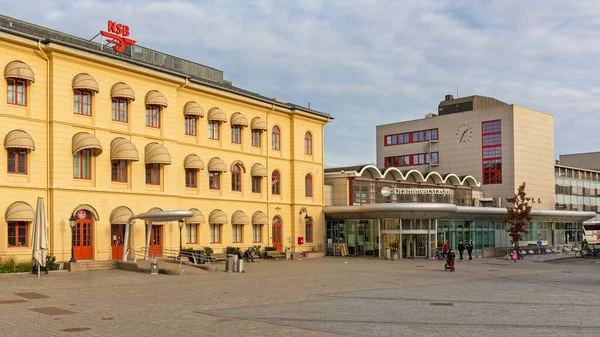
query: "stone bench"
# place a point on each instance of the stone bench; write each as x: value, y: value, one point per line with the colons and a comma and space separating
x: 275, y: 255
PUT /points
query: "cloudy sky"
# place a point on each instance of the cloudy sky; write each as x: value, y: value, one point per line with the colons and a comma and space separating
x: 372, y: 62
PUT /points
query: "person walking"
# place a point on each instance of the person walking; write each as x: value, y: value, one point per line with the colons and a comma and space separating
x: 445, y: 249
x: 451, y: 257
x: 470, y: 249
x: 461, y: 249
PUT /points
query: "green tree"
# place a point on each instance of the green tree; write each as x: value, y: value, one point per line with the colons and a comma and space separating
x: 518, y: 216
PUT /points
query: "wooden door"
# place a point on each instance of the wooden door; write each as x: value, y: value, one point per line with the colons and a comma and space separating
x: 277, y: 233
x: 117, y: 233
x: 83, y: 248
x: 155, y: 248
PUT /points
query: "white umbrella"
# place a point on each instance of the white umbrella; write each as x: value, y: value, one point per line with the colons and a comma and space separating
x: 40, y: 239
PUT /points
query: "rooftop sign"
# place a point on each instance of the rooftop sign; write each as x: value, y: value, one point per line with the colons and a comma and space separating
x: 386, y: 191
x: 117, y: 35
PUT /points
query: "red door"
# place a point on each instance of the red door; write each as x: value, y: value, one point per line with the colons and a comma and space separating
x: 155, y: 248
x: 117, y: 233
x: 82, y: 241
x: 277, y: 233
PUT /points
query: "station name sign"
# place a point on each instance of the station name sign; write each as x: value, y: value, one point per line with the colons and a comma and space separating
x: 387, y: 191
x: 117, y: 35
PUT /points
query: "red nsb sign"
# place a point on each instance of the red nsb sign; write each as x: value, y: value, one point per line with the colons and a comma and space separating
x: 117, y: 35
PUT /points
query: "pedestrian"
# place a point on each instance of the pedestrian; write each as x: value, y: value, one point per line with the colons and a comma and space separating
x: 248, y: 255
x: 437, y: 253
x: 451, y: 257
x: 461, y: 249
x: 445, y: 249
x: 515, y: 257
x: 470, y: 249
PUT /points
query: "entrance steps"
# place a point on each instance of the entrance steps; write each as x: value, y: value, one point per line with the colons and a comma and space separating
x: 91, y: 265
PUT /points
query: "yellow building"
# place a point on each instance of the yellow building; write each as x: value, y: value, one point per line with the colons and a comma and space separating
x: 102, y: 135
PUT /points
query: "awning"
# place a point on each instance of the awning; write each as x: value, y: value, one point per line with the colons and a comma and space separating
x: 258, y: 124
x: 122, y: 90
x: 120, y: 215
x: 84, y: 141
x: 157, y: 154
x: 123, y: 149
x: 19, y: 211
x: 18, y: 139
x: 85, y: 81
x: 240, y: 164
x: 239, y: 218
x: 18, y: 69
x: 217, y: 217
x: 217, y: 165
x: 192, y: 108
x: 259, y: 218
x: 238, y: 119
x: 217, y: 115
x: 155, y: 97
x: 258, y: 170
x: 192, y: 161
x: 197, y: 218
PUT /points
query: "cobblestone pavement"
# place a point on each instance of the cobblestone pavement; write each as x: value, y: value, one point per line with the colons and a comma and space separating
x: 320, y: 297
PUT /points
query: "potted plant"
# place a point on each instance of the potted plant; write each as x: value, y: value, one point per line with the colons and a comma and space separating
x: 394, y: 245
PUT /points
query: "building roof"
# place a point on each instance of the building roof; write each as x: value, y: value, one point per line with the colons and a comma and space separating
x: 145, y: 57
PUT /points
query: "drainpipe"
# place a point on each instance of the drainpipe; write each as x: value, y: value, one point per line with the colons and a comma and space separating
x: 48, y: 166
x: 268, y: 184
x: 187, y: 81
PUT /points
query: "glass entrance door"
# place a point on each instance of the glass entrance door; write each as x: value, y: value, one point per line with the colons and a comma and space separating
x: 421, y: 245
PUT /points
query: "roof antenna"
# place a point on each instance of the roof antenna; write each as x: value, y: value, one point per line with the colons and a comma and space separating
x: 457, y: 91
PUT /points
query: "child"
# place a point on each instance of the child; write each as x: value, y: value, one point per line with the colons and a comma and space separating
x: 515, y: 256
x: 437, y: 253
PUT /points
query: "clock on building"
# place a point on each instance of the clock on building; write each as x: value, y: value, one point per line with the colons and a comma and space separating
x: 464, y: 133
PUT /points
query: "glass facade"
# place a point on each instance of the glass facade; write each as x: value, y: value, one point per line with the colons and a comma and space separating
x: 577, y: 190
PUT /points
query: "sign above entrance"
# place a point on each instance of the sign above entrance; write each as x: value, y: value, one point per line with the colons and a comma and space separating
x: 81, y: 214
x: 387, y: 191
x: 117, y: 35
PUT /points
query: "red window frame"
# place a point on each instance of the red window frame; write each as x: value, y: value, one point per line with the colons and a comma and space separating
x: 190, y: 125
x: 191, y: 178
x: 256, y: 138
x: 276, y: 183
x: 17, y: 225
x: 214, y: 180
x: 213, y: 130
x: 154, y: 171
x: 189, y: 228
x: 254, y: 230
x: 80, y: 154
x: 309, y: 230
x: 308, y: 186
x: 491, y: 152
x: 411, y: 137
x: 116, y: 109
x: 256, y: 184
x: 14, y: 83
x: 215, y: 229
x: 236, y: 178
x: 236, y: 134
x: 14, y: 153
x: 153, y: 116
x: 235, y: 238
x: 308, y: 143
x: 276, y: 139
x: 411, y: 159
x: 119, y: 177
x: 81, y: 105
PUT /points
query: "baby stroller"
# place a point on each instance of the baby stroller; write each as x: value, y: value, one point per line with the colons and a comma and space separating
x: 446, y: 264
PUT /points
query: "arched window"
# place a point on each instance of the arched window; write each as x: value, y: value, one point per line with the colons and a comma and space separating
x: 236, y: 178
x: 307, y: 143
x: 276, y: 183
x: 309, y: 230
x: 308, y: 190
x: 276, y: 138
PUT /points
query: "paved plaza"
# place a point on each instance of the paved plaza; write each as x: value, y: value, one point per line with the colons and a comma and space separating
x: 318, y: 297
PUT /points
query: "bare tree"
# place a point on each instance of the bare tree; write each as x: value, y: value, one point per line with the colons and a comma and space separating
x: 518, y: 216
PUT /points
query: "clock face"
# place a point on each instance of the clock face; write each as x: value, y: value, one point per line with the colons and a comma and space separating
x: 464, y: 133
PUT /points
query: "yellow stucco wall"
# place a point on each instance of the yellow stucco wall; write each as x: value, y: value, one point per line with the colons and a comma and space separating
x: 62, y: 193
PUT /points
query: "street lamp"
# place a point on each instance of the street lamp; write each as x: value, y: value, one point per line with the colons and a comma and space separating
x: 180, y: 228
x: 72, y: 224
x: 306, y: 217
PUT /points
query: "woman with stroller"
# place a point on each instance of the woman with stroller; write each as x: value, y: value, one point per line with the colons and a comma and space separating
x: 450, y: 259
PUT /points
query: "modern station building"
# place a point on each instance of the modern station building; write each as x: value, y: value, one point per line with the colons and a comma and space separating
x: 446, y: 177
x: 104, y: 132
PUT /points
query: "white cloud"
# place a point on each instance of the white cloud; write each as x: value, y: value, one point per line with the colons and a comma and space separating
x: 372, y: 62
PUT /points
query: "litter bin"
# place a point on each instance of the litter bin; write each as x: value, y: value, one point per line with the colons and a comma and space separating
x: 240, y: 266
x: 288, y: 253
x: 153, y: 268
x: 229, y: 263
x: 388, y: 253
